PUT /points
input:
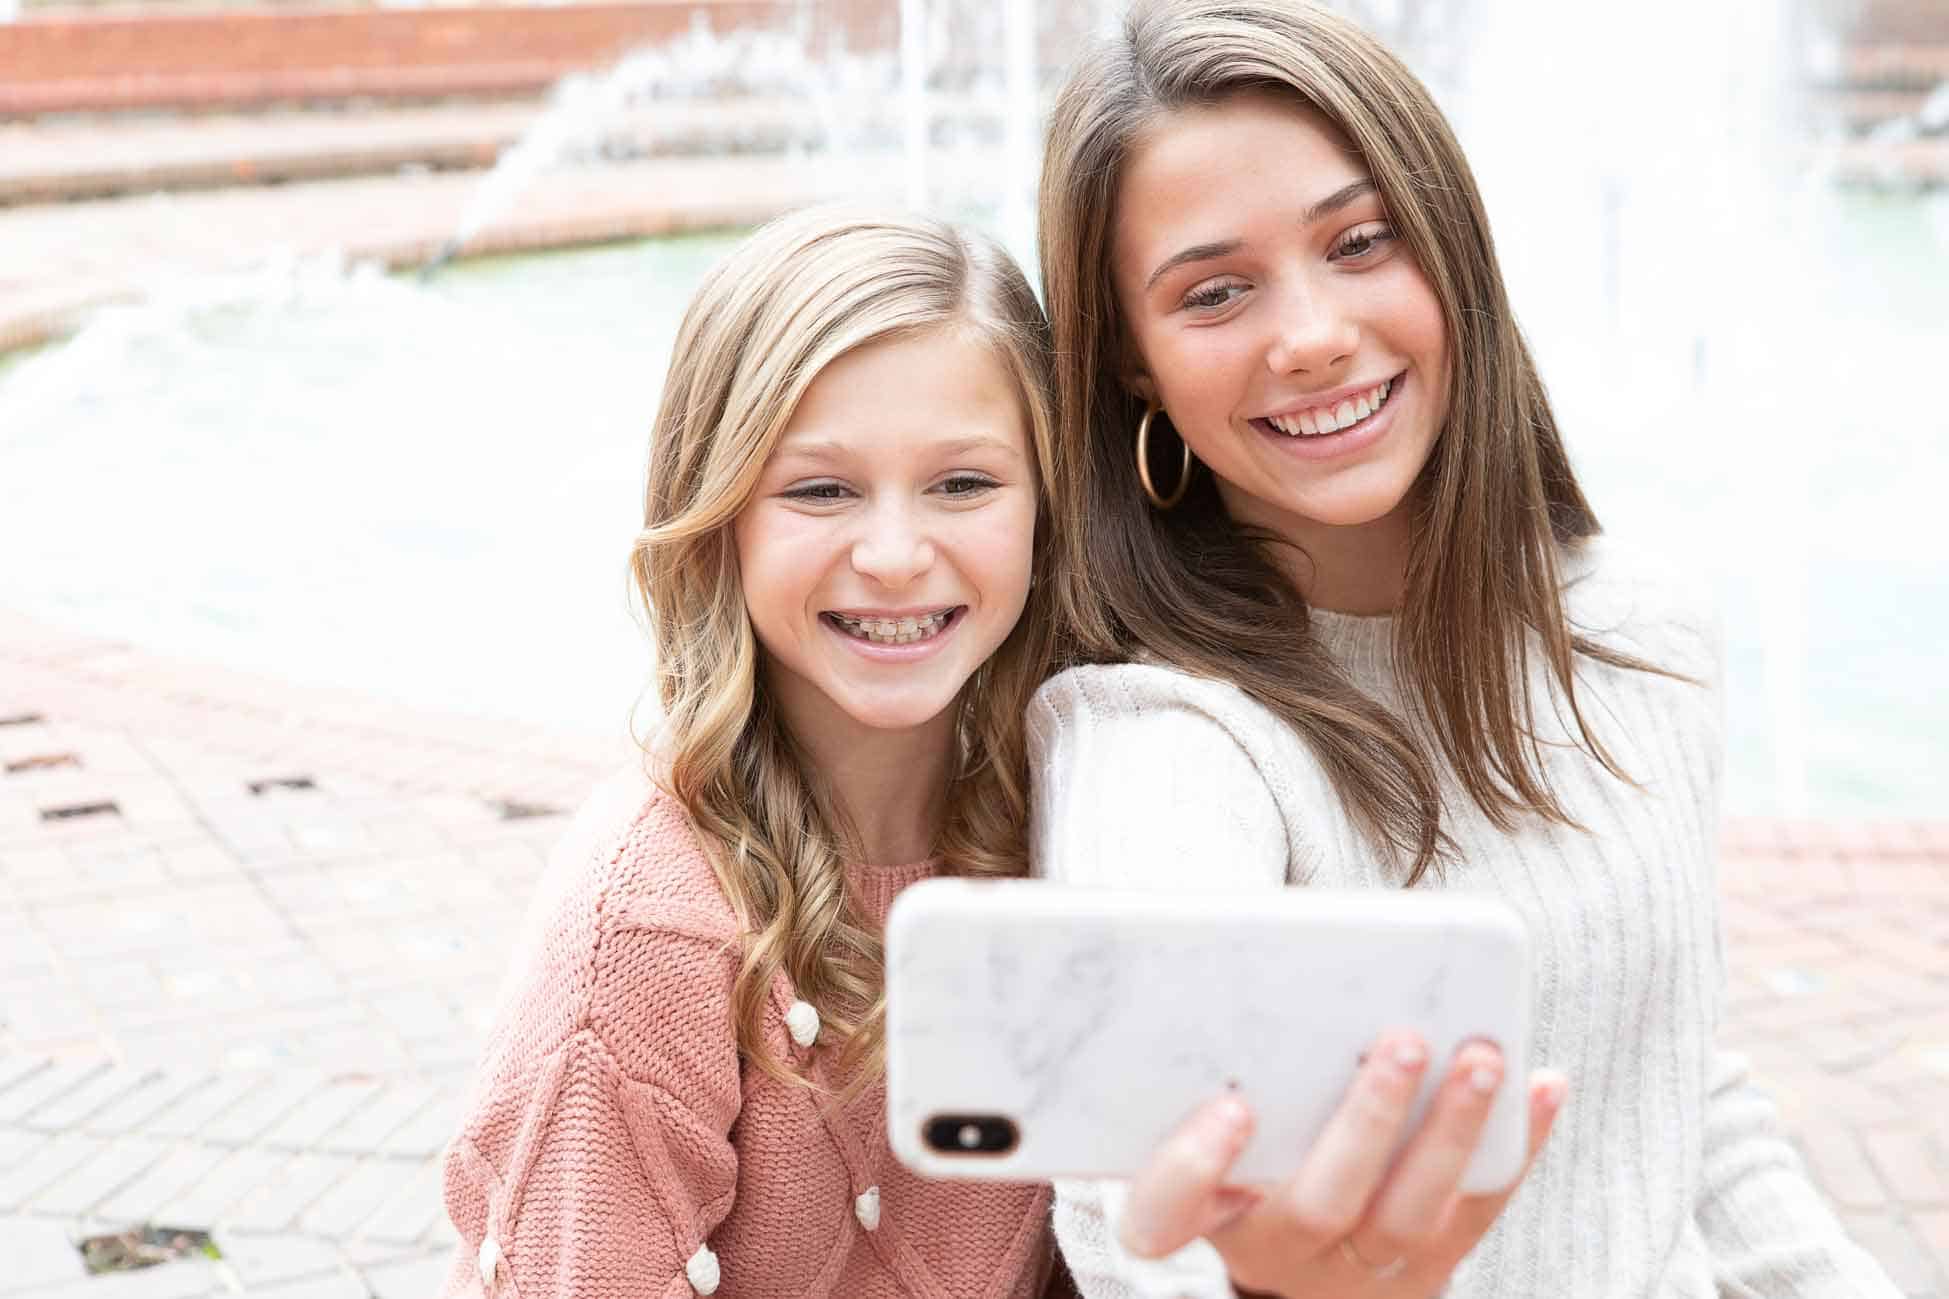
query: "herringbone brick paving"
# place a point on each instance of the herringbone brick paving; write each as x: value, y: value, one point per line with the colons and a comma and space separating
x: 250, y: 935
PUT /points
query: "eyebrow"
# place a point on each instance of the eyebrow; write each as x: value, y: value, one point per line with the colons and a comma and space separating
x: 829, y: 449
x: 1326, y: 207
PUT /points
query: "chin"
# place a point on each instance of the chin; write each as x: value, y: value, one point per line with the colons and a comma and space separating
x: 1354, y: 504
x: 895, y: 715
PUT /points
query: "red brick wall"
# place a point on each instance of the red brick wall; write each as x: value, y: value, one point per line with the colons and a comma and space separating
x: 81, y: 62
x: 1890, y: 21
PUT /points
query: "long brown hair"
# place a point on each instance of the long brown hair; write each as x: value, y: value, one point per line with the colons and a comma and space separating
x: 797, y: 295
x: 1494, y: 504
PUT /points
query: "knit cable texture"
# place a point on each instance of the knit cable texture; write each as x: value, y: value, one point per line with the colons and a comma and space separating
x: 1667, y: 1175
x: 615, y: 1144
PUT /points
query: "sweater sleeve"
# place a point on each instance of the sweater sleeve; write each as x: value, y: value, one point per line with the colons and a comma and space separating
x: 581, y: 1181
x: 1138, y: 783
x: 593, y: 1157
x: 1140, y: 780
x: 1770, y: 1232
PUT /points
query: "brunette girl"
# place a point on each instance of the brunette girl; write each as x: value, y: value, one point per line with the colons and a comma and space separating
x: 1355, y: 626
x: 840, y: 556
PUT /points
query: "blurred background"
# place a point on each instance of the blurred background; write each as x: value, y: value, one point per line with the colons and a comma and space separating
x: 330, y: 339
x: 239, y: 421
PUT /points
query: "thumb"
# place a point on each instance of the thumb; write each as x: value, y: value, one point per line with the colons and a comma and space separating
x: 1180, y: 1193
x: 1474, y: 1213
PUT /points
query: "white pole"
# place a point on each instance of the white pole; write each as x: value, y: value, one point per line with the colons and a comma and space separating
x: 913, y: 95
x: 1019, y: 127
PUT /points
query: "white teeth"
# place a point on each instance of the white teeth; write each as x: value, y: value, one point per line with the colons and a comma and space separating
x: 1323, y: 419
x: 893, y: 631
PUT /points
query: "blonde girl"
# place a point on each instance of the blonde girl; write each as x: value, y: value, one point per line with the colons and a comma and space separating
x: 1354, y: 626
x: 840, y: 557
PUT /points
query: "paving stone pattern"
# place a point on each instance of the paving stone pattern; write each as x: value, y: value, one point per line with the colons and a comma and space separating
x: 244, y: 996
x: 245, y: 999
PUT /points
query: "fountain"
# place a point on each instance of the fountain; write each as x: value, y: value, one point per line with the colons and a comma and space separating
x: 1682, y: 260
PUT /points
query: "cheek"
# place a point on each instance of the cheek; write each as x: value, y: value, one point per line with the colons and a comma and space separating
x: 780, y: 563
x: 1416, y: 319
x: 1202, y: 375
x: 997, y: 551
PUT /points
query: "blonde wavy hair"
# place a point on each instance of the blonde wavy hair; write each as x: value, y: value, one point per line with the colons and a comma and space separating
x: 1495, y: 503
x: 797, y: 295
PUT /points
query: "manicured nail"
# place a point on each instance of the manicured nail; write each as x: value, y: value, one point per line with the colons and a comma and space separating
x: 1410, y: 1055
x: 1553, y: 1087
x: 1484, y: 1078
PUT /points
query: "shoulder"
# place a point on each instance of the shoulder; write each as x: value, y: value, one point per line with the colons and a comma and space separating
x: 1143, y: 734
x: 1126, y: 698
x: 632, y: 856
x: 1649, y: 601
x: 629, y: 864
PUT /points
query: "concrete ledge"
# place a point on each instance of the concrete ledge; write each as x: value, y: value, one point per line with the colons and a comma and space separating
x: 65, y: 161
x: 60, y: 261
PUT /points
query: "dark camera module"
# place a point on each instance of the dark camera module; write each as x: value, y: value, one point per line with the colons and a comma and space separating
x: 970, y: 1134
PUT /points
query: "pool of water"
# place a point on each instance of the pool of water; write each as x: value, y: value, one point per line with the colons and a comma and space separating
x: 428, y: 492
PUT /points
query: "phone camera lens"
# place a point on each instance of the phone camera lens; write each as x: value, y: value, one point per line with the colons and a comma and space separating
x: 970, y: 1134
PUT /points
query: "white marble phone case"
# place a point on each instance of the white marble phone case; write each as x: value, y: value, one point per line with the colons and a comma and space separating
x: 1095, y: 1021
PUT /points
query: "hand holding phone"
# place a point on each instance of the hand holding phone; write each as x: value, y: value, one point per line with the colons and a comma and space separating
x: 1350, y: 1221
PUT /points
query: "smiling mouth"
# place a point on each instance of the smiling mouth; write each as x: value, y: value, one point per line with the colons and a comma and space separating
x: 894, y: 631
x: 1338, y: 418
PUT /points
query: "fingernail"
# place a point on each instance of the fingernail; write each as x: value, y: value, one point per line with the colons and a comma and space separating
x: 1553, y: 1086
x: 1229, y: 1117
x: 1484, y: 1078
x: 1410, y: 1055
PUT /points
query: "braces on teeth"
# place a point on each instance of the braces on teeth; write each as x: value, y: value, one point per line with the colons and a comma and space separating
x: 893, y: 631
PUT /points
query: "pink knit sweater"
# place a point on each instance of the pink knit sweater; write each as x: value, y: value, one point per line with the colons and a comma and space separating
x: 614, y: 1144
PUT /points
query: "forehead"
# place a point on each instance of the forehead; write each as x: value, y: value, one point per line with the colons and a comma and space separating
x: 1209, y: 171
x: 910, y: 393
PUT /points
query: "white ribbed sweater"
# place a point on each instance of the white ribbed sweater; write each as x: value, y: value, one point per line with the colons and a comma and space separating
x: 1666, y: 1175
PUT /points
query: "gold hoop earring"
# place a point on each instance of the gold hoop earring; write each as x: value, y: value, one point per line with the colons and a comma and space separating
x: 1143, y: 464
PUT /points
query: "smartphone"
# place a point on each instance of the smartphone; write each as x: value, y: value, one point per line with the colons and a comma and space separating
x: 1036, y: 1030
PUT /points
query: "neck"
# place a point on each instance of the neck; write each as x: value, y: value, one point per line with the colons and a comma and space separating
x: 1358, y: 568
x: 891, y: 786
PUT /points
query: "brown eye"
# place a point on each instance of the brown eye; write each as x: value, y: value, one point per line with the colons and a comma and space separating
x: 819, y: 492
x: 1362, y: 240
x: 1209, y: 297
x: 965, y: 485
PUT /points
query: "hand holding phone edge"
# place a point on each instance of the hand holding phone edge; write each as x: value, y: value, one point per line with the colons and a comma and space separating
x: 1348, y: 1218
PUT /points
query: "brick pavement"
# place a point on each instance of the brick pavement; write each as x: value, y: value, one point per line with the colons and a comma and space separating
x: 244, y: 999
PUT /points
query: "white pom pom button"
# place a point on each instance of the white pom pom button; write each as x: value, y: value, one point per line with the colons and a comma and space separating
x: 490, y: 1258
x: 702, y: 1271
x: 802, y: 1021
x: 867, y: 1208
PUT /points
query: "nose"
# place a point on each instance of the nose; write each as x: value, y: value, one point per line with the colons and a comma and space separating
x: 1315, y: 334
x: 892, y: 548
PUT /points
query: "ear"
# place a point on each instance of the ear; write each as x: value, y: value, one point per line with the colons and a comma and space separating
x: 1136, y: 381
